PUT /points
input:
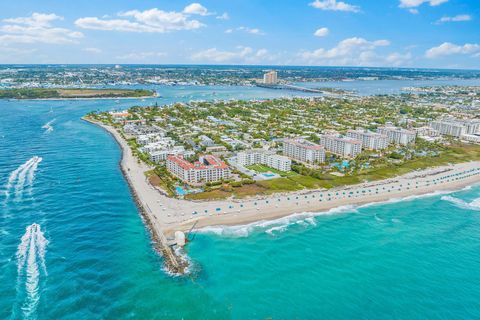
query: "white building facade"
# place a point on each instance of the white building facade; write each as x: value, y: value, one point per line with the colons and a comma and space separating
x: 370, y: 140
x: 344, y: 147
x: 397, y: 135
x: 303, y: 150
x: 265, y: 157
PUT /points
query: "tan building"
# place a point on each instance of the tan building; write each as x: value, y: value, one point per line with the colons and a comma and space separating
x: 270, y: 77
x: 208, y: 169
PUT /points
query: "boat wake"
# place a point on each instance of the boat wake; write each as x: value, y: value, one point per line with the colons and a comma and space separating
x: 48, y: 126
x: 473, y: 205
x: 30, y: 266
x: 22, y: 177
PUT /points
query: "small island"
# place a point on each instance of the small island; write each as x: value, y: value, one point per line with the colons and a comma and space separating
x: 73, y: 93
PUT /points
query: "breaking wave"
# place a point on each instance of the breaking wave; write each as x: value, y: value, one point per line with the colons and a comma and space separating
x: 277, y: 226
x: 30, y: 265
x: 273, y: 227
x: 473, y: 205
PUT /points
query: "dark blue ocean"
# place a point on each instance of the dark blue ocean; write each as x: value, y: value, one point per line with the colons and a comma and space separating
x: 73, y: 246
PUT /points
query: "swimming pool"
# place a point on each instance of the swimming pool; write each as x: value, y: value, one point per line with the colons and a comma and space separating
x: 180, y: 191
x: 268, y: 175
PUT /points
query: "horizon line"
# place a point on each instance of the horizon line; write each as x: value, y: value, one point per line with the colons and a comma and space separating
x: 233, y: 65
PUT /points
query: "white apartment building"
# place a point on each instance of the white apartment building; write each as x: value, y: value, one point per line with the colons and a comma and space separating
x: 473, y: 126
x: 397, y: 135
x: 344, y: 147
x: 456, y: 128
x: 303, y: 150
x: 278, y: 162
x: 208, y: 169
x: 161, y: 155
x: 370, y: 140
x: 216, y: 148
x: 449, y: 128
x: 265, y: 157
x: 270, y: 77
x: 475, y: 138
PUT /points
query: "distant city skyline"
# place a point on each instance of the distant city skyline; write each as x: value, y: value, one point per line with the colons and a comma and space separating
x: 390, y: 33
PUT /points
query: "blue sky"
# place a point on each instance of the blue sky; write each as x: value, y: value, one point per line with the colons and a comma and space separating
x: 390, y: 33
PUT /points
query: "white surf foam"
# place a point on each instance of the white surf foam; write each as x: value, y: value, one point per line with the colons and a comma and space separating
x: 280, y: 225
x: 407, y: 198
x: 179, y: 252
x: 473, y: 205
x: 30, y: 258
x: 273, y: 226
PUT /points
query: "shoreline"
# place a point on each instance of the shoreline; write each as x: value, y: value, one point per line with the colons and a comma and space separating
x: 173, y: 214
x: 174, y: 262
x: 79, y: 98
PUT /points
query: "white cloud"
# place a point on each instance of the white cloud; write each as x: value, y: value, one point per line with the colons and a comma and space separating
x: 251, y: 30
x: 224, y: 16
x: 153, y: 20
x: 352, y: 51
x: 149, y: 56
x: 333, y: 5
x: 14, y: 55
x: 457, y: 18
x: 447, y: 48
x: 92, y: 50
x: 255, y: 31
x: 322, y: 32
x: 241, y: 55
x: 413, y: 11
x: 36, y: 29
x: 398, y: 59
x: 36, y: 19
x: 417, y: 3
x: 196, y: 8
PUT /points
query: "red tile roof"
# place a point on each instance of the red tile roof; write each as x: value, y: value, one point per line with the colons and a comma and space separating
x: 210, y: 159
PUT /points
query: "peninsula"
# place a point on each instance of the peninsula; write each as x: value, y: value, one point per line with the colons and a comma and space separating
x: 170, y: 214
x: 73, y: 93
x: 226, y: 163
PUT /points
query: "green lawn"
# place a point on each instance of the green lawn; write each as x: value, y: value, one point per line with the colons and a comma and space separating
x: 308, y: 182
x: 280, y: 185
x: 260, y: 168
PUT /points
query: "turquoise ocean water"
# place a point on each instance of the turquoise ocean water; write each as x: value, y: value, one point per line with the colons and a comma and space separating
x: 73, y: 246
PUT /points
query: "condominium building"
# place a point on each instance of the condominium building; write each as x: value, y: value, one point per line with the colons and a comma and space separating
x: 265, y: 157
x: 370, y: 140
x: 343, y: 146
x: 303, y: 150
x: 449, y: 128
x: 456, y: 128
x: 397, y: 135
x: 270, y: 77
x: 161, y: 155
x: 208, y: 169
x: 473, y: 126
x: 216, y: 148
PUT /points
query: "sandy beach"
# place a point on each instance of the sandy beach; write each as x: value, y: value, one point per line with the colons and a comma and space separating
x: 169, y: 214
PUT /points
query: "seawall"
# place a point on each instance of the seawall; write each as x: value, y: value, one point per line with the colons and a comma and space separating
x: 173, y: 263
